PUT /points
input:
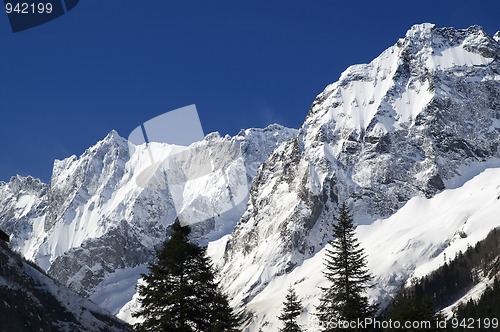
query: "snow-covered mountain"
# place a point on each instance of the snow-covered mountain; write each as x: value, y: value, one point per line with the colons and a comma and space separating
x: 31, y: 301
x: 93, y: 225
x: 410, y: 124
x: 410, y: 141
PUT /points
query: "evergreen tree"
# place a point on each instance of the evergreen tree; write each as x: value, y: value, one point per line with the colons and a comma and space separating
x: 292, y: 309
x: 180, y: 293
x: 346, y: 270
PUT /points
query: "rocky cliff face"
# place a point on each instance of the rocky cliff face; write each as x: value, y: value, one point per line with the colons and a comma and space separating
x: 23, y: 200
x: 407, y: 124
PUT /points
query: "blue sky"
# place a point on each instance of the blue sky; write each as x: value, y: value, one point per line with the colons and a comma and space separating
x: 113, y: 64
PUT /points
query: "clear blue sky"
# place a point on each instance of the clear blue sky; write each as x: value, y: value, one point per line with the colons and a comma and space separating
x: 113, y: 64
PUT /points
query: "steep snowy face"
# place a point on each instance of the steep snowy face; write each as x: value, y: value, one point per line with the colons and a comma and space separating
x: 80, y: 198
x: 21, y: 200
x: 398, y: 127
x: 93, y: 220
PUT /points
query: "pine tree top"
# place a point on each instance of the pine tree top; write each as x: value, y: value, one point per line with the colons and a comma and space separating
x: 180, y: 292
x: 291, y: 310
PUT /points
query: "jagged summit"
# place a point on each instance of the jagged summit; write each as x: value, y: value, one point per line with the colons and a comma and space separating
x: 426, y: 31
x: 114, y: 138
x: 19, y: 180
x: 420, y: 31
x: 412, y: 64
x: 113, y: 134
x: 273, y: 127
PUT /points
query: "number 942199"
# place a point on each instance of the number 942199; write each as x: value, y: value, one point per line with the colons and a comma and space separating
x: 475, y: 324
x: 28, y: 8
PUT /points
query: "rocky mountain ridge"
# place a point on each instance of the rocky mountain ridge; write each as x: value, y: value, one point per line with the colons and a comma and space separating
x: 92, y: 220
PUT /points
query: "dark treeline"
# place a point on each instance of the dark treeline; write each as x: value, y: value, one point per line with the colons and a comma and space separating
x: 457, y: 276
x: 441, y: 288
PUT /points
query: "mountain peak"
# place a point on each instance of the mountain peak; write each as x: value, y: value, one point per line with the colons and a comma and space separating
x: 496, y: 36
x: 17, y: 182
x: 111, y: 139
x: 113, y: 136
x: 420, y: 30
x: 441, y: 49
x: 426, y: 30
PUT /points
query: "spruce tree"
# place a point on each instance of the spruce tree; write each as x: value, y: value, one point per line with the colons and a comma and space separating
x: 292, y: 309
x: 346, y: 270
x: 180, y: 293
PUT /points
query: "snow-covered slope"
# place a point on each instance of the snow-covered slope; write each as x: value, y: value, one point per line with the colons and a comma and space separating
x: 410, y: 243
x: 93, y: 222
x: 31, y: 301
x: 406, y: 125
